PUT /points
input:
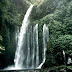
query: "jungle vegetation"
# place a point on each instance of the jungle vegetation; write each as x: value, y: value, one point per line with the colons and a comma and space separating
x: 57, y: 14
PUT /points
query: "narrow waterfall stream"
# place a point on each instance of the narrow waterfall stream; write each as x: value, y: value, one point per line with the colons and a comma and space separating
x: 37, y: 47
x: 45, y: 40
x: 16, y: 35
x: 64, y: 57
x: 27, y: 51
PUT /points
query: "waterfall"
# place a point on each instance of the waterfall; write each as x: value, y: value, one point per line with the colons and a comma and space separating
x: 45, y: 40
x: 28, y: 49
x: 69, y: 60
x: 33, y: 51
x: 18, y: 55
x: 37, y: 47
x: 64, y: 57
x: 27, y: 55
x: 16, y: 35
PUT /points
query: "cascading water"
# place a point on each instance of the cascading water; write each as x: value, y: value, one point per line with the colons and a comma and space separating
x: 64, y: 57
x: 18, y: 55
x: 69, y: 60
x: 34, y: 43
x: 45, y: 40
x: 27, y: 55
x: 37, y: 47
x: 35, y: 50
x: 16, y: 35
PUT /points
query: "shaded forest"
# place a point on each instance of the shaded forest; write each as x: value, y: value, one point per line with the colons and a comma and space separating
x: 56, y: 14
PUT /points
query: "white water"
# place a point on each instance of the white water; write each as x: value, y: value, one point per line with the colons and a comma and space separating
x: 27, y: 52
x: 18, y: 59
x: 64, y: 57
x: 33, y: 51
x: 37, y: 47
x: 21, y: 37
x: 16, y: 35
x: 28, y: 46
x: 69, y: 60
x: 45, y: 40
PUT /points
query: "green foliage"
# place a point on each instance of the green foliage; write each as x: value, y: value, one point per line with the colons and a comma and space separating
x: 69, y: 67
x: 11, y: 15
x: 43, y: 9
x: 59, y: 22
x: 14, y: 11
x: 64, y: 42
x: 57, y: 14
